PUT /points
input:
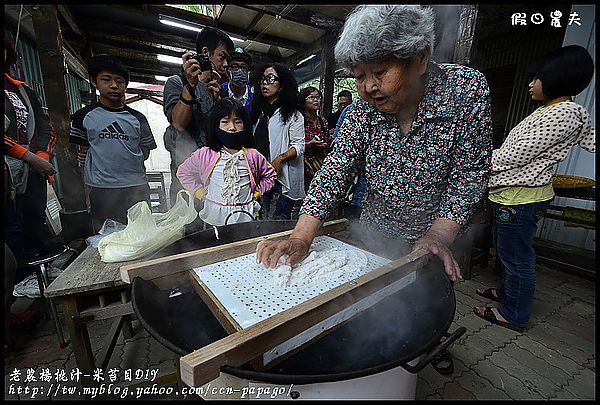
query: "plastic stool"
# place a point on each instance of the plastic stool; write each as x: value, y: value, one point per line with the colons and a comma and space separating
x: 41, y: 265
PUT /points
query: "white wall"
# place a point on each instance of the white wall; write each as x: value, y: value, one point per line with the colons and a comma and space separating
x: 578, y: 162
x: 159, y: 159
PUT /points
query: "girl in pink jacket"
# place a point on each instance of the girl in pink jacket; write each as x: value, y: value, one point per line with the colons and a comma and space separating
x: 228, y: 174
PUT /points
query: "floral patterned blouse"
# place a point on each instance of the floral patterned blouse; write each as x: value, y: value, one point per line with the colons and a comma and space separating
x: 439, y: 169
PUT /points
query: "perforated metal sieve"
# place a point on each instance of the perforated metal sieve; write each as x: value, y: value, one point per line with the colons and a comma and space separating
x: 246, y: 290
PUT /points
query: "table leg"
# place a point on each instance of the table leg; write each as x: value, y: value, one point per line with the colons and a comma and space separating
x: 113, y: 335
x: 127, y: 328
x: 80, y: 339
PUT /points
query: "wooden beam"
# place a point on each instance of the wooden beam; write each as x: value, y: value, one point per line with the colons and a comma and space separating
x: 327, y: 72
x: 297, y: 14
x: 314, y: 47
x: 180, y: 13
x: 238, y: 31
x: 11, y: 20
x: 182, y: 39
x: 120, y: 40
x: 274, y: 52
x: 138, y: 97
x: 156, y: 68
x: 145, y: 93
x: 264, y: 38
x: 157, y: 100
x: 69, y: 179
x: 64, y: 11
x: 157, y: 33
x: 145, y: 65
x: 204, y: 364
x: 173, y: 264
x: 135, y: 47
x: 141, y: 77
x: 124, y: 53
x: 98, y: 40
x: 255, y: 21
x: 75, y: 64
x: 132, y: 99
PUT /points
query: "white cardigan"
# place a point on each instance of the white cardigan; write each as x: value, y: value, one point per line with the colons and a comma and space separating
x: 281, y: 138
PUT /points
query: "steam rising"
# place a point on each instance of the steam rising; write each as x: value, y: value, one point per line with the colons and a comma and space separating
x: 396, y: 328
x: 401, y: 324
x: 447, y: 19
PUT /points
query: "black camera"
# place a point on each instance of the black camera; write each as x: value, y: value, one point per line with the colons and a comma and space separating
x: 205, y: 63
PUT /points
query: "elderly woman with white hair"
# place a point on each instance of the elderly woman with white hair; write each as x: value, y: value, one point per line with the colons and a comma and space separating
x: 421, y: 131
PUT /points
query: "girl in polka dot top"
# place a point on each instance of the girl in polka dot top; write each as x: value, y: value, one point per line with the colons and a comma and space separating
x: 521, y: 179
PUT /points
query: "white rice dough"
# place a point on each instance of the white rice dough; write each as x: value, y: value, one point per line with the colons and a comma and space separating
x: 329, y: 265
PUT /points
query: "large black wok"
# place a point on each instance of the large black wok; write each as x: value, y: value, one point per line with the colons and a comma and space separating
x: 392, y: 333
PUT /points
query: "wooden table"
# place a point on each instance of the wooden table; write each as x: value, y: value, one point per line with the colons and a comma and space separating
x: 92, y: 290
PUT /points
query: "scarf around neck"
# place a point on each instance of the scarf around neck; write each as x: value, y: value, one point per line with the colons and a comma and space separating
x: 261, y: 134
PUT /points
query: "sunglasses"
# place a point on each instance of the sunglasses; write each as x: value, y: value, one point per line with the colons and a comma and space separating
x: 269, y: 79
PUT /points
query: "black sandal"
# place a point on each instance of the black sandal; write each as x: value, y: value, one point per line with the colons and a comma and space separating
x: 489, y: 315
x: 443, y: 363
x: 488, y: 294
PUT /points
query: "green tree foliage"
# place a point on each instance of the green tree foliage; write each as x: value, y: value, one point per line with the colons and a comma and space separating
x: 205, y: 9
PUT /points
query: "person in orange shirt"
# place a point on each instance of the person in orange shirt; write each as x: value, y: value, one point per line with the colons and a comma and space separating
x: 28, y: 144
x: 29, y: 141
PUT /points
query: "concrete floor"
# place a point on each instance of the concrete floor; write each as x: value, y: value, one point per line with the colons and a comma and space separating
x: 555, y: 358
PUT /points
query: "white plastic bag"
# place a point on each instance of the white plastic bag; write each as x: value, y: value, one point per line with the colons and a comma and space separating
x: 109, y: 226
x: 145, y: 234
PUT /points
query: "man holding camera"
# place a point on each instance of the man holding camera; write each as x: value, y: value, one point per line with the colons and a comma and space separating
x: 189, y: 97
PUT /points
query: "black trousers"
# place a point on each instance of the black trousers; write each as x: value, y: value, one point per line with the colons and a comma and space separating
x: 113, y: 203
x: 25, y: 219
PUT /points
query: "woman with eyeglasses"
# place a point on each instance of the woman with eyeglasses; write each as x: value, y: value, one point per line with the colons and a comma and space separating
x: 316, y: 132
x: 279, y: 135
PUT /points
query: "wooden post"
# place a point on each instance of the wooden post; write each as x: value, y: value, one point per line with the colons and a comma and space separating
x: 70, y: 189
x: 327, y: 72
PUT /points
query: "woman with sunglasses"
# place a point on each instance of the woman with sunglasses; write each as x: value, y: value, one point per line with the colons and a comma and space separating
x: 279, y: 135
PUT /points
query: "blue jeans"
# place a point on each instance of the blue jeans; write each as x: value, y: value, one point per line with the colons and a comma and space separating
x: 283, y: 205
x: 514, y: 228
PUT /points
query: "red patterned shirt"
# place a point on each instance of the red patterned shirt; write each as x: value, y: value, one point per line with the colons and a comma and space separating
x: 312, y: 131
